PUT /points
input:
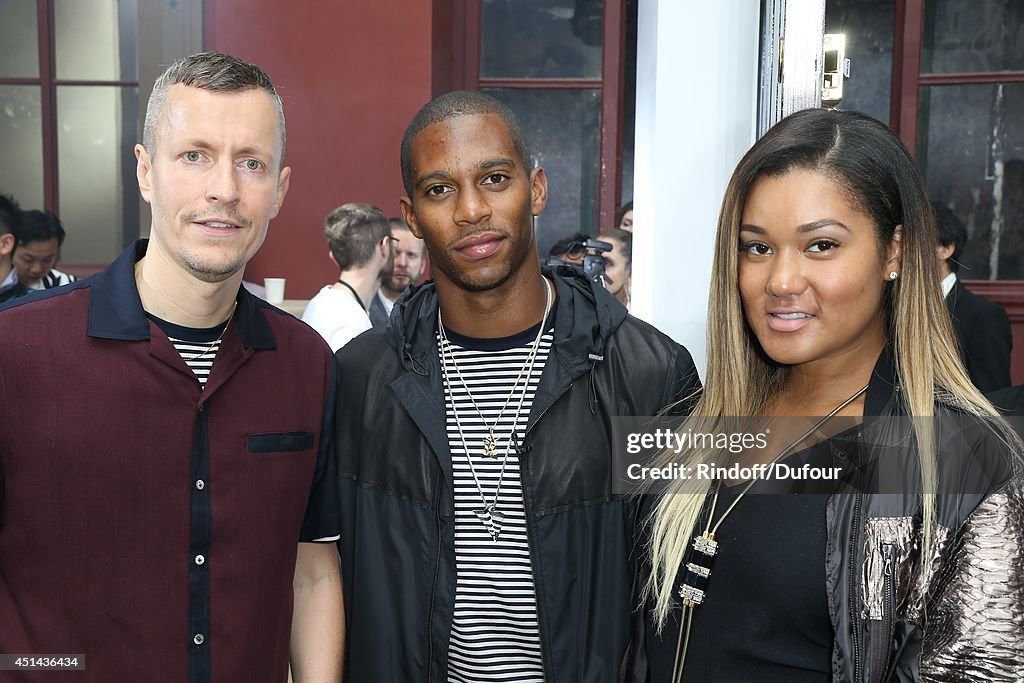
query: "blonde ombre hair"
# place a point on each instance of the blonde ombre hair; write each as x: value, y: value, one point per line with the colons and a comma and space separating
x: 876, y: 173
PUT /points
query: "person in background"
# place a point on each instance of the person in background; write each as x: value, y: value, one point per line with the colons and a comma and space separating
x: 624, y: 217
x: 982, y: 327
x: 618, y: 264
x: 403, y: 271
x: 570, y: 250
x: 40, y: 236
x: 10, y: 286
x: 360, y: 242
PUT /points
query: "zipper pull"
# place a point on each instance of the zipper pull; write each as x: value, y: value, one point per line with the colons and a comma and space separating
x: 887, y: 550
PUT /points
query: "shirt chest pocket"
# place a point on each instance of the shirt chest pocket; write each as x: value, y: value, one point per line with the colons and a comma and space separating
x: 281, y: 442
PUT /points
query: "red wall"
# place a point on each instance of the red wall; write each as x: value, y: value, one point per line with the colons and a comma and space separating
x: 351, y: 74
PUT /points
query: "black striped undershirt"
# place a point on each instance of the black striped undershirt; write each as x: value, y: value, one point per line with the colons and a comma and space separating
x: 495, y: 635
x: 198, y: 346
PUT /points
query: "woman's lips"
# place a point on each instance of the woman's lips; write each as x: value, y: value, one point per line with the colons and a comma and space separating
x: 788, y: 322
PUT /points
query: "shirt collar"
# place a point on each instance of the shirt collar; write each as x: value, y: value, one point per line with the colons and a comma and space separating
x: 10, y: 281
x: 115, y: 309
x: 948, y: 283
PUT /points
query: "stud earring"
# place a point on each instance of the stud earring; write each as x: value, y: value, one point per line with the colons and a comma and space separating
x: 893, y: 275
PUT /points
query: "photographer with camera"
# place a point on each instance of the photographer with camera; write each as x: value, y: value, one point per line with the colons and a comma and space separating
x: 607, y: 261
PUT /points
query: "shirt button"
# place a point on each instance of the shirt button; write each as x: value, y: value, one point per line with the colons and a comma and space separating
x: 200, y: 484
x: 200, y: 559
x: 199, y: 638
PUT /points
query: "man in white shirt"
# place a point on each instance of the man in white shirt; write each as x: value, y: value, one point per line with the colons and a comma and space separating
x: 404, y: 271
x: 359, y: 238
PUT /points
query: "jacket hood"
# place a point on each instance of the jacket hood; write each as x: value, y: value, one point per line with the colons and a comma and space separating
x: 585, y: 317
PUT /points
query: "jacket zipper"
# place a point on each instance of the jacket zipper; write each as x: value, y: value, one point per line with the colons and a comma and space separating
x: 888, y: 610
x: 529, y: 528
x: 852, y: 597
x: 433, y: 587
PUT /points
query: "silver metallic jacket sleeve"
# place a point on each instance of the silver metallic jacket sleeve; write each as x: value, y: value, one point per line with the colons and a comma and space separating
x: 975, y: 619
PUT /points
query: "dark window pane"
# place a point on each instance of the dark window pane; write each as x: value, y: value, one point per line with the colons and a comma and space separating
x: 99, y: 206
x: 972, y: 35
x: 629, y: 104
x: 541, y: 38
x: 21, y: 139
x: 868, y: 26
x: 19, y: 39
x: 95, y: 39
x: 563, y: 129
x: 971, y: 148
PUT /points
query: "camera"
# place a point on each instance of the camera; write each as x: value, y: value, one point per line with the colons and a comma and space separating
x: 585, y: 256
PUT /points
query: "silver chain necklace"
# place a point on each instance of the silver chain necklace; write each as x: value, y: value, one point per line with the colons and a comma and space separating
x: 490, y: 516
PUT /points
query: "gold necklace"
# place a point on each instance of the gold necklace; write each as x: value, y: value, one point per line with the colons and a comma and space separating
x: 216, y: 341
x: 705, y: 547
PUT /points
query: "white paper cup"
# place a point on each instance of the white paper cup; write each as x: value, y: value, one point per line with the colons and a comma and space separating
x: 275, y: 289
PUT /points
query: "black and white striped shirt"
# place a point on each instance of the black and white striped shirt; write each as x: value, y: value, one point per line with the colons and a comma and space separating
x: 495, y: 635
x: 197, y: 346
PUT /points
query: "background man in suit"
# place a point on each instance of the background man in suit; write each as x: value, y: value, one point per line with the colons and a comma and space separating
x: 403, y: 271
x: 982, y: 327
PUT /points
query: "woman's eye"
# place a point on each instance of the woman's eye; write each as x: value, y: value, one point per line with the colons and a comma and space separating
x: 822, y: 245
x: 755, y: 248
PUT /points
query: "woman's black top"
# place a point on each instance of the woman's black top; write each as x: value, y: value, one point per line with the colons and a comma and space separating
x: 765, y: 615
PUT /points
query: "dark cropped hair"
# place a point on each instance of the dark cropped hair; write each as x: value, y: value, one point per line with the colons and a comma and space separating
x: 38, y: 226
x: 461, y: 103
x: 951, y: 231
x: 353, y: 232
x: 211, y: 71
x: 564, y: 245
x: 621, y: 213
x: 8, y: 215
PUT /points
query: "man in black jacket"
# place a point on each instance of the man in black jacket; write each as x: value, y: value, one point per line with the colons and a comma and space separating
x: 982, y: 327
x: 481, y: 533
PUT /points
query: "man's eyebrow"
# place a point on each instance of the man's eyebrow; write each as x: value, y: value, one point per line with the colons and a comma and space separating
x: 433, y: 175
x: 494, y: 163
x: 199, y: 143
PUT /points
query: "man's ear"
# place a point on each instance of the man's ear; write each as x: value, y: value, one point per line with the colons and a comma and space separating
x: 6, y: 244
x: 283, y: 183
x: 538, y: 191
x: 143, y: 169
x: 410, y: 217
x: 945, y: 251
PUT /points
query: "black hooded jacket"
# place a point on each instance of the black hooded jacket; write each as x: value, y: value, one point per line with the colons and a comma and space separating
x: 395, y: 481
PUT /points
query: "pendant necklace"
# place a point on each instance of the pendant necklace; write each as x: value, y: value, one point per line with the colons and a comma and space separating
x: 490, y: 515
x: 705, y: 547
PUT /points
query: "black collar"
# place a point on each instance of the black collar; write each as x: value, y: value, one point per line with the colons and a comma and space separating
x: 115, y: 309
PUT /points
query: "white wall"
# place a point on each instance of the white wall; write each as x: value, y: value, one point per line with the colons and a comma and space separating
x: 696, y: 115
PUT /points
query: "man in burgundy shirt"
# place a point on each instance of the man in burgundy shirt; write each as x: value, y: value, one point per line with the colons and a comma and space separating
x: 171, y: 515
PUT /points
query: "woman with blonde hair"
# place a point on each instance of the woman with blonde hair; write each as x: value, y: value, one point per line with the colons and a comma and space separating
x: 825, y: 302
